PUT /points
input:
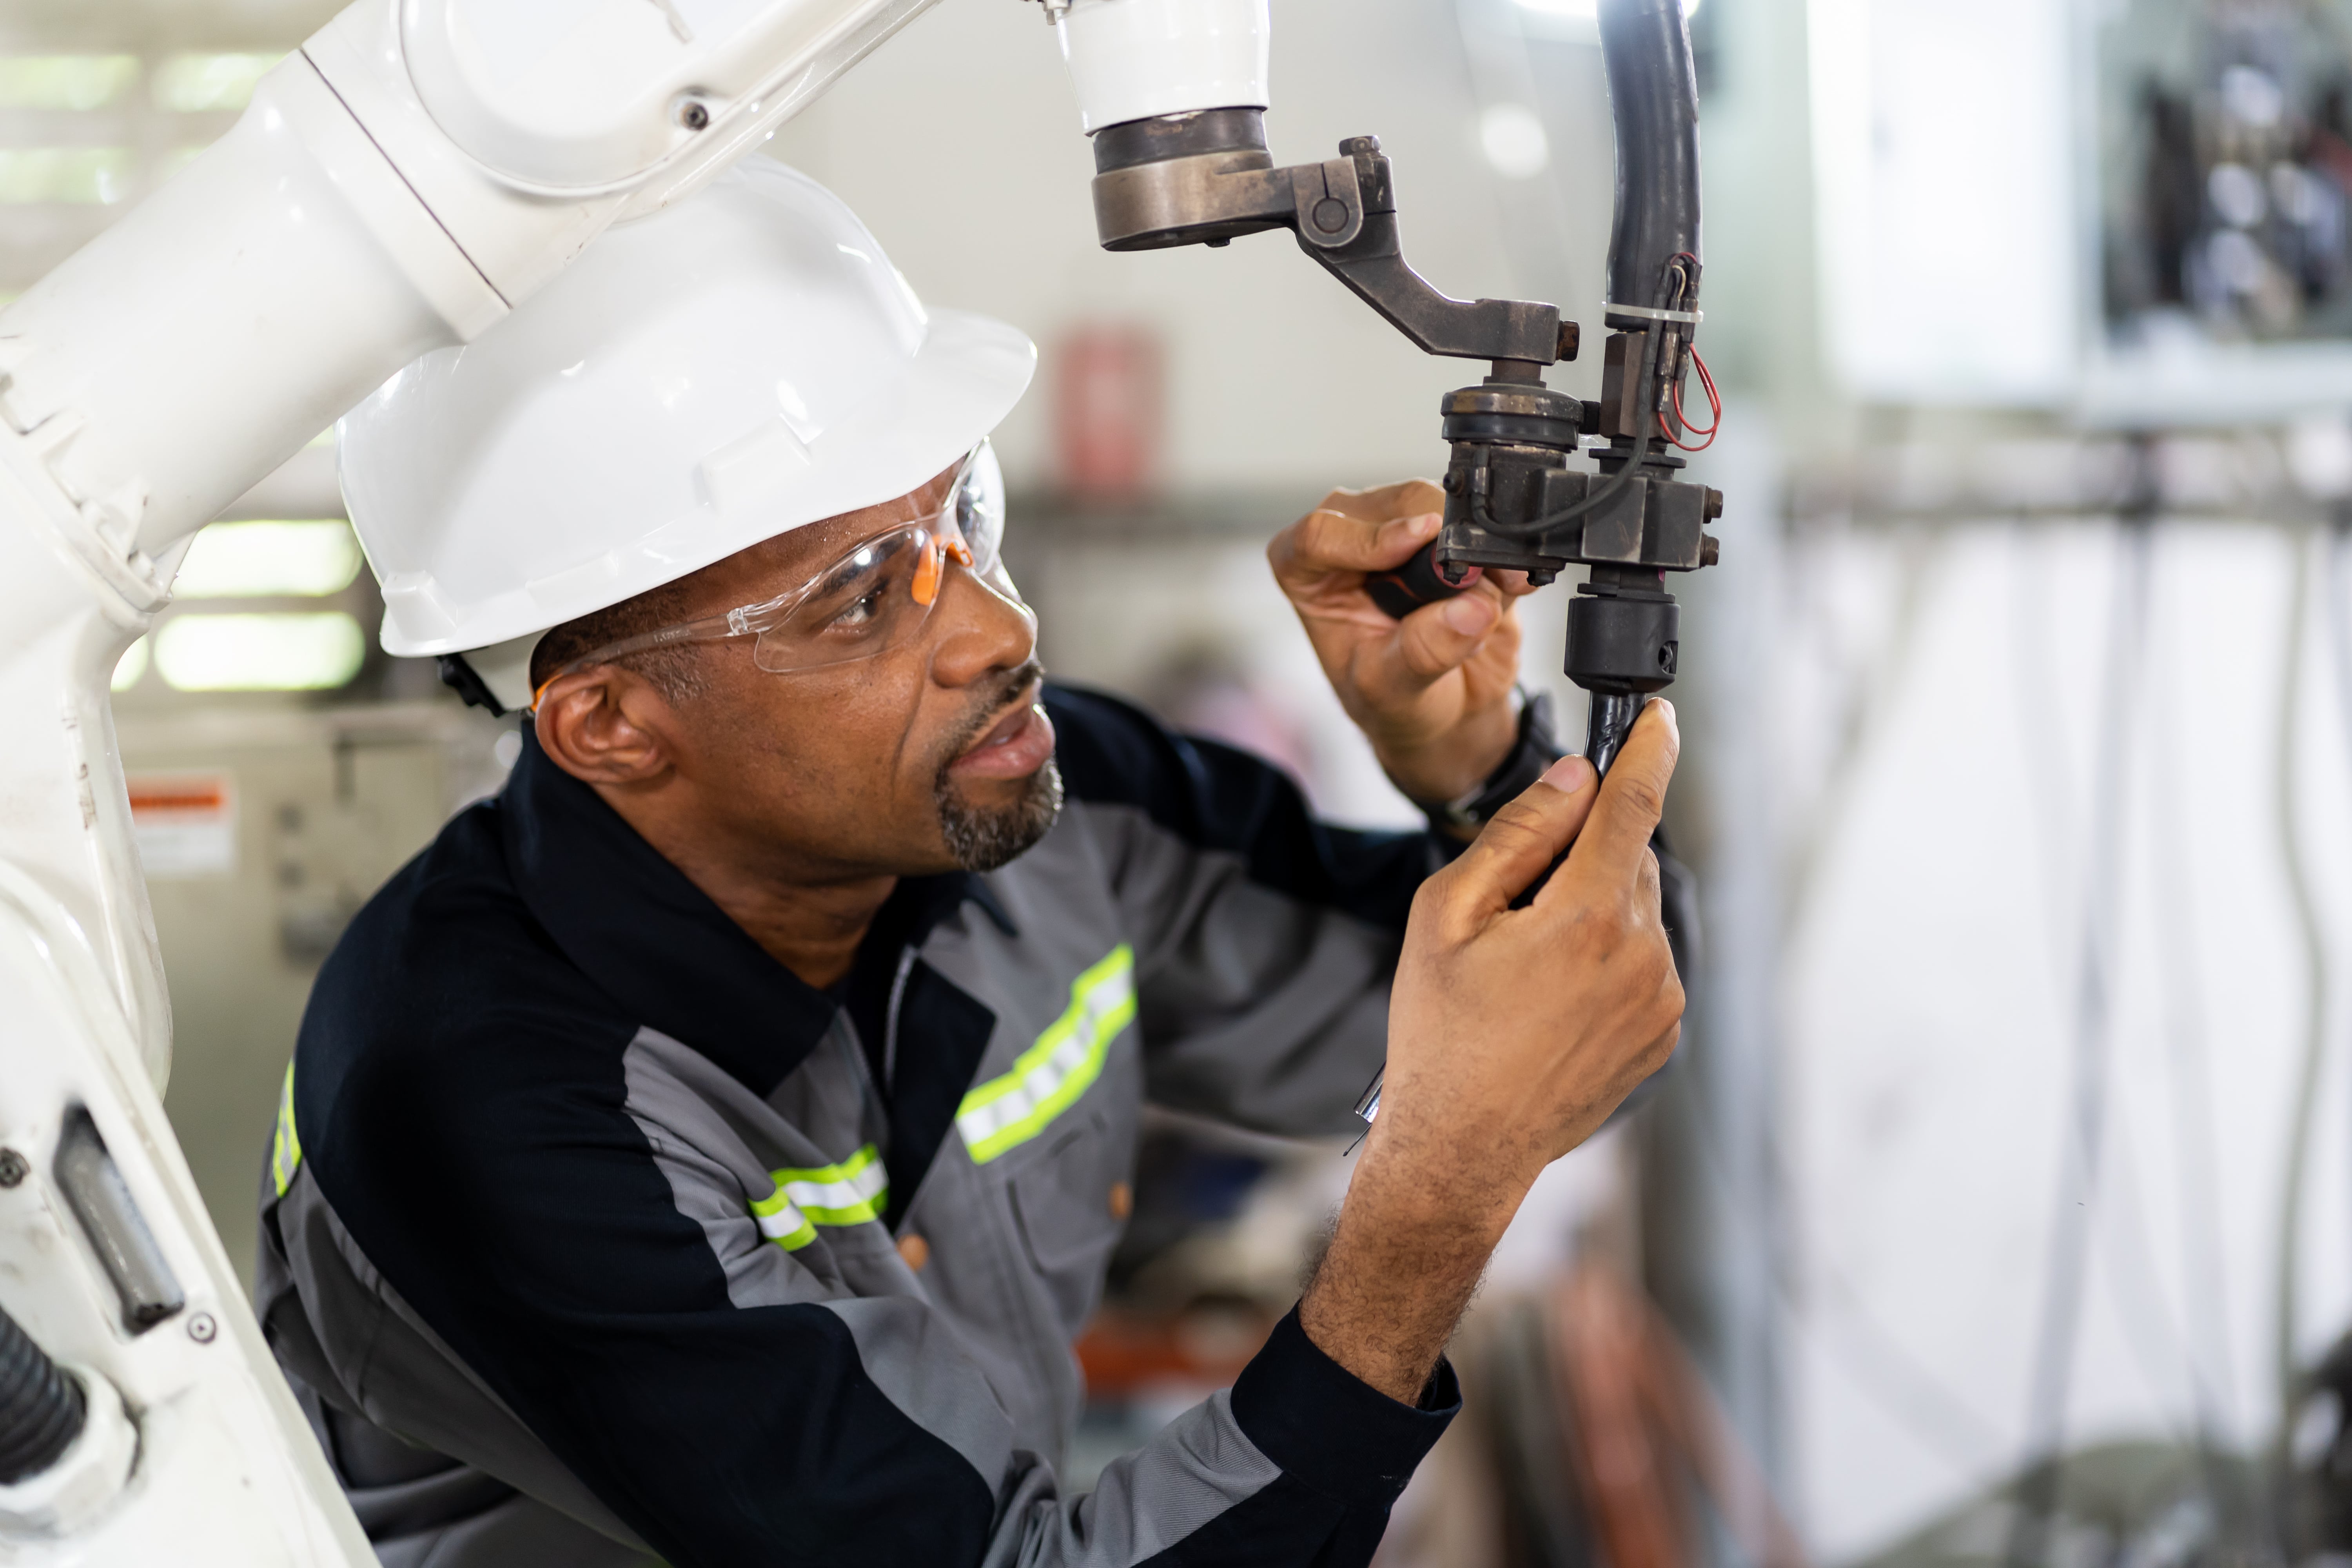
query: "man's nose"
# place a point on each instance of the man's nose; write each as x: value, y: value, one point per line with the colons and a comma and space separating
x: 978, y: 631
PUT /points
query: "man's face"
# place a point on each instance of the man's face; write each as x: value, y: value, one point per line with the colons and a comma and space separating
x: 928, y: 756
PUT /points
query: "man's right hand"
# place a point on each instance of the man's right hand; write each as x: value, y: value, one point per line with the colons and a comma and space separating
x: 1512, y: 1035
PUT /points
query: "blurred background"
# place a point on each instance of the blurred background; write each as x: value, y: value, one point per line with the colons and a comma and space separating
x: 1998, y: 1204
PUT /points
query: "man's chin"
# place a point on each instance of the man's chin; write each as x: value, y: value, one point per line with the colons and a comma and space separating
x: 983, y: 838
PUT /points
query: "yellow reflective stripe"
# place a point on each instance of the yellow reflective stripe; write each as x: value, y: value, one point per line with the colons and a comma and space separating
x: 1048, y: 1077
x: 286, y: 1146
x: 783, y: 1224
x: 851, y: 1192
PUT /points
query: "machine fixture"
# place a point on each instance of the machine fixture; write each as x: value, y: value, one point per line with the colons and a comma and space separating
x: 1512, y: 500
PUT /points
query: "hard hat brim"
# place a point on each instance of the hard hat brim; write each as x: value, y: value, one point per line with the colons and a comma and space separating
x: 958, y: 385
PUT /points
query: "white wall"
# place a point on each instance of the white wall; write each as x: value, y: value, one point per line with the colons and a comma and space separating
x: 1931, y: 987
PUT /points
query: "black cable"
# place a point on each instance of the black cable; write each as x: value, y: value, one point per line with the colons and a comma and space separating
x: 2079, y: 1167
x: 41, y: 1409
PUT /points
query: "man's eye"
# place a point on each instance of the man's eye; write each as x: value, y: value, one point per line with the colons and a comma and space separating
x: 862, y: 611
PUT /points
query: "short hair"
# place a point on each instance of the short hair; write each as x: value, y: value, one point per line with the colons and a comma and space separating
x: 674, y: 671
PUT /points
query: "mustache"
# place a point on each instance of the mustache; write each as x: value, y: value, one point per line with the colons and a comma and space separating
x: 1003, y: 691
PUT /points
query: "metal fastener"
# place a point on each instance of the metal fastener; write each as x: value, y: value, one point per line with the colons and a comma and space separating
x: 13, y: 1168
x: 200, y: 1328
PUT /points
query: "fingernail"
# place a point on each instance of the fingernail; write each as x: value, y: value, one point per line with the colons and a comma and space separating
x: 1569, y: 773
x: 1468, y: 613
x: 1427, y: 523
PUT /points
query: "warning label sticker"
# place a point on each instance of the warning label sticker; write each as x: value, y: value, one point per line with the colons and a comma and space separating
x: 185, y: 822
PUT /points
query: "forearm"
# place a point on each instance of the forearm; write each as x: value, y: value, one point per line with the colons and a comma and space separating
x: 1405, y: 1260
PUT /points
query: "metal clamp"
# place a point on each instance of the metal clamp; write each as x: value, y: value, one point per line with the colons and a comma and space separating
x: 1687, y: 318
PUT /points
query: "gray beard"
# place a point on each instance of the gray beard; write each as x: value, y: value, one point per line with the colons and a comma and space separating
x: 982, y: 841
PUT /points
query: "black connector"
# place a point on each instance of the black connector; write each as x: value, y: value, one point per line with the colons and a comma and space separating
x: 41, y: 1409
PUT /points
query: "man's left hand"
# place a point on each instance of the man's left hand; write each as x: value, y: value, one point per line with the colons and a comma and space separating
x: 1432, y: 691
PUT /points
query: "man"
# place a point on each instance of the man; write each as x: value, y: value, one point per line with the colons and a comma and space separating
x: 711, y: 1147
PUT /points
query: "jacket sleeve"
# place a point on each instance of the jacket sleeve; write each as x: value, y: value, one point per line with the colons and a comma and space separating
x: 734, y: 1400
x: 1265, y: 937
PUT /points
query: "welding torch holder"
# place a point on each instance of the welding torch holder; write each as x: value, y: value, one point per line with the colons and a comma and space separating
x: 1512, y: 503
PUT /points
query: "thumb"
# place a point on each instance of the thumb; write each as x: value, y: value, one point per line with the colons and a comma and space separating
x: 1627, y: 807
x: 1519, y: 842
x: 1431, y: 640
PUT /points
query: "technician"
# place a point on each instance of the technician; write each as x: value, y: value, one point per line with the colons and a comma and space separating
x: 709, y: 1148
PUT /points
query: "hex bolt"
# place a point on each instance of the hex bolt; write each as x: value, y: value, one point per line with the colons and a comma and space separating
x: 1357, y: 146
x: 201, y: 1329
x: 13, y: 1168
x: 1709, y: 548
x: 1570, y: 337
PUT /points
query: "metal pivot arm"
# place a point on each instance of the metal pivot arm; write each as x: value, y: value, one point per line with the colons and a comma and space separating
x: 1346, y: 219
x: 1205, y: 177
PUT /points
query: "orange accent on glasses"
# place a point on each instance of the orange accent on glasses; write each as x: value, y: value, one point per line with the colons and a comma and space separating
x: 929, y: 570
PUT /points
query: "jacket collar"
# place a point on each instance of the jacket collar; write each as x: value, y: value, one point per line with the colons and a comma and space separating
x: 636, y: 927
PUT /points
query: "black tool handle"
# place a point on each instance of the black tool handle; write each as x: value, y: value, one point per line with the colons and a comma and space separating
x: 1420, y: 581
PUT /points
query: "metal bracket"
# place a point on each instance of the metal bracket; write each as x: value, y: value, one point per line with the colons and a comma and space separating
x: 1344, y: 213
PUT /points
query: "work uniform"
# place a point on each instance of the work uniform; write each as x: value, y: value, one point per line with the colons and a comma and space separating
x: 579, y: 1228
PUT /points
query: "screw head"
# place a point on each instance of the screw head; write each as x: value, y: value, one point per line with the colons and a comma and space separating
x: 1329, y: 214
x: 202, y: 1329
x: 14, y: 1167
x: 694, y: 115
x: 1356, y: 146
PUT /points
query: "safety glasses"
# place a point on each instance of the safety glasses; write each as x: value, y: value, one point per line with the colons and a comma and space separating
x: 873, y: 599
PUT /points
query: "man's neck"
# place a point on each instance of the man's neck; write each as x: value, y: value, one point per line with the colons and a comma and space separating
x: 810, y: 924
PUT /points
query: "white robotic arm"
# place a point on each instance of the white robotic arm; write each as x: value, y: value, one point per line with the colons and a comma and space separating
x: 416, y: 169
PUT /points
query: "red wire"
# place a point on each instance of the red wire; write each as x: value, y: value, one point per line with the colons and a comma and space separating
x: 1715, y: 407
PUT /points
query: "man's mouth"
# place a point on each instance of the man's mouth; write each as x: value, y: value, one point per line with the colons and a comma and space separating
x: 1015, y: 747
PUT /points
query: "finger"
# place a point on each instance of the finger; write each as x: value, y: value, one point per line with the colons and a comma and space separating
x: 1327, y: 541
x: 1513, y: 585
x: 1631, y: 799
x: 1520, y: 842
x: 1428, y: 643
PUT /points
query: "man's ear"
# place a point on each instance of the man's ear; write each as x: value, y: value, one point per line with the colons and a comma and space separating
x: 607, y: 726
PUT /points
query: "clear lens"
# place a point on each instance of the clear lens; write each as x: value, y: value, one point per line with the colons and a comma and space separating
x: 863, y: 604
x: 979, y: 506
x: 866, y: 603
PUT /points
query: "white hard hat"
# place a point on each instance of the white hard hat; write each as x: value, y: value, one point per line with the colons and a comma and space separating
x: 740, y: 365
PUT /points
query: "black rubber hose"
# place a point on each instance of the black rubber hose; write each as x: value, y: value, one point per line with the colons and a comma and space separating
x: 41, y: 1409
x: 1654, y: 98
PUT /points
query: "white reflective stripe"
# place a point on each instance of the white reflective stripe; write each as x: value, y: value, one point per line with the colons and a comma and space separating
x: 848, y: 1193
x: 1050, y: 1076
